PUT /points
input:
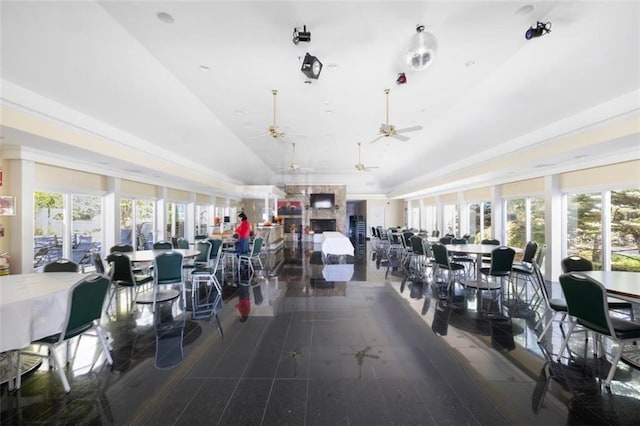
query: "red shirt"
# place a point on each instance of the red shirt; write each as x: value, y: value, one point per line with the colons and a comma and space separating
x: 243, y: 229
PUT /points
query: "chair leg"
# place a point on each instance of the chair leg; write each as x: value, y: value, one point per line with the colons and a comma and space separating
x: 614, y: 364
x: 565, y: 342
x: 63, y: 376
x: 103, y: 340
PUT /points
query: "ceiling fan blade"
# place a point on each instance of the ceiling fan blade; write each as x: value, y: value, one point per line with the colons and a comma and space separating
x: 400, y: 137
x: 409, y: 129
x: 371, y: 167
x: 376, y: 139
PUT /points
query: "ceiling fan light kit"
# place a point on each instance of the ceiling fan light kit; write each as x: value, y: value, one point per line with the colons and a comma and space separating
x: 421, y: 49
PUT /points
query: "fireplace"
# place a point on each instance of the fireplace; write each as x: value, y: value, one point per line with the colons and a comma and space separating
x: 321, y: 225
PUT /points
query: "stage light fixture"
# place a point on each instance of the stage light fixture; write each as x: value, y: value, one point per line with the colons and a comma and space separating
x: 541, y: 29
x: 304, y: 35
x: 402, y: 79
x: 311, y: 66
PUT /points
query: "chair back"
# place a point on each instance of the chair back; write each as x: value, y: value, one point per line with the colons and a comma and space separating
x: 416, y: 245
x: 162, y: 245
x: 216, y: 253
x: 61, y: 265
x: 491, y: 241
x: 204, y: 247
x: 216, y: 248
x: 86, y: 299
x: 426, y: 248
x: 121, y: 270
x: 576, y: 264
x: 182, y: 243
x: 406, y: 235
x: 98, y: 264
x: 501, y: 260
x: 200, y: 237
x: 440, y: 254
x: 587, y: 302
x: 539, y: 279
x: 530, y: 251
x: 459, y: 241
x: 435, y: 233
x: 121, y: 248
x: 168, y: 267
x: 395, y: 238
x: 446, y: 240
x: 257, y: 246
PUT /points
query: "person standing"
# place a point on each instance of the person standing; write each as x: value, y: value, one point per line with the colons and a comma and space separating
x: 243, y: 231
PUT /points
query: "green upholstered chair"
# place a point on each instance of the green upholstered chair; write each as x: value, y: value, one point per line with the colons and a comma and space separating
x: 86, y: 299
x: 588, y: 307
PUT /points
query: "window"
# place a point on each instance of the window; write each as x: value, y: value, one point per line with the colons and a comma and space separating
x: 136, y: 223
x: 450, y: 218
x: 202, y: 220
x: 176, y: 213
x: 584, y: 226
x: 625, y: 230
x: 48, y: 227
x: 429, y: 222
x: 516, y: 223
x: 86, y: 227
x: 480, y: 221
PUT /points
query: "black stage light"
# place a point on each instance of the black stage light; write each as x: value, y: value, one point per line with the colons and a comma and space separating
x: 311, y: 66
x: 303, y: 35
x: 540, y: 30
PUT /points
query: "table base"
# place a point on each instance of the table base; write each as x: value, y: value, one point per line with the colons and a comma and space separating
x: 28, y: 363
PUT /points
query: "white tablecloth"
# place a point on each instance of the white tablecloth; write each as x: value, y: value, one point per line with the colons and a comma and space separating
x: 336, y: 243
x: 33, y: 306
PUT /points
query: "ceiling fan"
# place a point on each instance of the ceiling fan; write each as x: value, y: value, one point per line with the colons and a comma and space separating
x: 272, y: 130
x: 389, y: 130
x: 293, y: 167
x: 360, y: 166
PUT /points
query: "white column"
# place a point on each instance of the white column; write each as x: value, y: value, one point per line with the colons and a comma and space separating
x: 555, y: 226
x: 161, y: 214
x: 190, y: 218
x: 112, y: 215
x: 20, y: 227
x: 497, y: 214
x: 606, y: 230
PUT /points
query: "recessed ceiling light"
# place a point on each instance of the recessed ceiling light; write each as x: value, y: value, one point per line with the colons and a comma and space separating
x: 470, y: 63
x: 332, y: 67
x: 525, y: 10
x: 580, y: 156
x: 329, y: 111
x: 204, y: 68
x: 238, y: 112
x: 165, y: 17
x: 540, y: 166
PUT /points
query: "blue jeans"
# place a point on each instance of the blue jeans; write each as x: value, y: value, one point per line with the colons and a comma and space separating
x: 242, y: 246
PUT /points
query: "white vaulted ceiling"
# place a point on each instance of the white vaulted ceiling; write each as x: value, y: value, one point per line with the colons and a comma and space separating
x: 489, y: 104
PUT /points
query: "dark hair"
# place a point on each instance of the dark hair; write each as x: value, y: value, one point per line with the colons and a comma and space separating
x: 242, y: 216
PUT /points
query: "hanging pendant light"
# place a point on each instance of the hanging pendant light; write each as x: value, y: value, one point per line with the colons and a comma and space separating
x: 421, y: 50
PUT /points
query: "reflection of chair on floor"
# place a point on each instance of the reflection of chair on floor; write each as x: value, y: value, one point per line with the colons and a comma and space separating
x: 84, y: 310
x: 61, y: 265
x: 169, y: 344
x: 587, y: 305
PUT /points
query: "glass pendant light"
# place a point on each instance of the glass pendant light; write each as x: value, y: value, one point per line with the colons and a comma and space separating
x: 421, y: 50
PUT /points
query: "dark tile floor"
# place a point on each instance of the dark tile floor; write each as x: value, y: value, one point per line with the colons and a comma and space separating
x: 368, y: 351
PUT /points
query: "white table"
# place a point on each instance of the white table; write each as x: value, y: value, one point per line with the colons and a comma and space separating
x: 335, y: 243
x: 150, y: 255
x: 33, y: 306
x: 619, y: 284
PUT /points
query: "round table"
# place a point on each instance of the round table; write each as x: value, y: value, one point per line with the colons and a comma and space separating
x: 150, y: 255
